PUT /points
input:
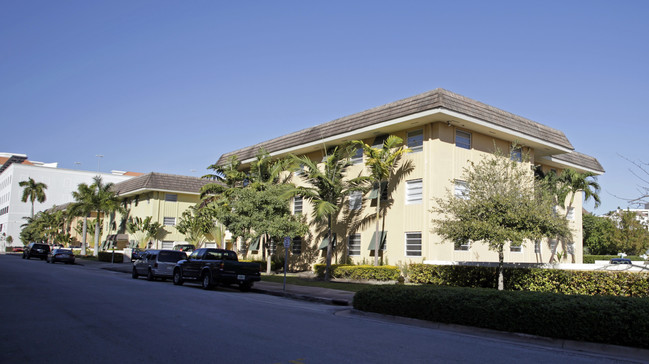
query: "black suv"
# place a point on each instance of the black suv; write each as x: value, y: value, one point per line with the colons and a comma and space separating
x: 36, y: 250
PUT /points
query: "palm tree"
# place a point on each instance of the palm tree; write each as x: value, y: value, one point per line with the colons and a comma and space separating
x: 83, y: 206
x: 382, y: 163
x: 34, y: 191
x: 326, y: 188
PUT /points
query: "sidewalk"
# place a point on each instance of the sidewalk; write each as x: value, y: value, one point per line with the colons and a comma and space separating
x: 306, y: 293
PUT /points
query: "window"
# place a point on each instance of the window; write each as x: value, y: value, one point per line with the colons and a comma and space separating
x: 356, y: 200
x: 171, y: 197
x: 462, y: 139
x: 296, y: 247
x: 462, y: 245
x: 515, y: 248
x: 461, y: 189
x: 169, y: 221
x: 413, y: 244
x: 357, y: 158
x: 297, y: 205
x: 571, y: 213
x: 379, y: 140
x: 516, y: 154
x: 354, y: 242
x: 414, y: 191
x: 416, y: 140
x: 167, y: 244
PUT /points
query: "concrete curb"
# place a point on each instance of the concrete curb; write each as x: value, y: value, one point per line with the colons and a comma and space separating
x: 303, y: 297
x: 614, y: 351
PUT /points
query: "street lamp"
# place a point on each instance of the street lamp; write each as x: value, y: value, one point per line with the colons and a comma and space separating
x: 99, y: 156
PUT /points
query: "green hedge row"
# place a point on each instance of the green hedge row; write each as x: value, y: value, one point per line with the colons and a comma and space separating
x: 108, y: 257
x: 590, y: 259
x: 360, y: 272
x: 602, y: 319
x: 613, y: 283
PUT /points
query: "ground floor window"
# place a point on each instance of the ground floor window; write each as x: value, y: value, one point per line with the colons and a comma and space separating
x: 354, y: 242
x: 462, y: 245
x: 413, y: 244
x: 167, y: 244
x: 297, y: 245
x: 515, y: 248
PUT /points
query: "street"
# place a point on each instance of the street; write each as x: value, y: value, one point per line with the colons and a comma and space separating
x: 77, y: 314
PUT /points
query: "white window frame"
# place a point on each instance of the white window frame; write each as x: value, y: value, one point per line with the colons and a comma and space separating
x: 298, y: 205
x: 461, y: 189
x: 465, y: 136
x: 418, y: 143
x: 171, y: 197
x: 354, y: 241
x: 356, y: 200
x: 413, y: 240
x: 414, y: 191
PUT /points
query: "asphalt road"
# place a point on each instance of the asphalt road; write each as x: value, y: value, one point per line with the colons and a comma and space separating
x: 78, y: 314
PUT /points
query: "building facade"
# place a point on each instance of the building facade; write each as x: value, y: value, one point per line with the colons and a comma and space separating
x: 60, y: 185
x: 445, y: 132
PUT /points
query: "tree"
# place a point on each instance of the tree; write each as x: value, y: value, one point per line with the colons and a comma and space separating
x: 505, y: 204
x: 83, y: 205
x: 631, y: 235
x: 326, y: 187
x: 143, y: 229
x: 34, y: 191
x: 195, y: 224
x: 599, y: 235
x: 382, y: 163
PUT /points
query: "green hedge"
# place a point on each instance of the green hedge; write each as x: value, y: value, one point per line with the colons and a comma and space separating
x: 614, y: 283
x: 360, y: 272
x: 590, y: 259
x: 602, y: 319
x: 275, y: 264
x: 108, y: 257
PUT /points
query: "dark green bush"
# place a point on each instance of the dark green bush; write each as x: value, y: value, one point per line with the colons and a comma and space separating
x: 590, y: 259
x: 603, y: 319
x: 108, y: 257
x: 360, y: 272
x: 614, y: 283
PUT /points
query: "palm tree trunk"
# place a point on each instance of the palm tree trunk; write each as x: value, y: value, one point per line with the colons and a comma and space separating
x: 268, y: 257
x: 96, y: 252
x: 85, y: 233
x: 377, y: 237
x: 32, y: 209
x: 329, y: 245
x: 501, y: 263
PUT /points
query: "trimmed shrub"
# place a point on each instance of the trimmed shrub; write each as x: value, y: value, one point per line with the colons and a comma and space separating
x: 613, y: 283
x: 108, y: 257
x: 590, y: 259
x: 603, y: 319
x: 360, y: 272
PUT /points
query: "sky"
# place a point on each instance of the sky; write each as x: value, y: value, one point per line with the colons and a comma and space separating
x: 169, y: 86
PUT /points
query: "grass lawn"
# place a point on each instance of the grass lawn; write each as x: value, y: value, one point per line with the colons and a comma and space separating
x: 343, y: 286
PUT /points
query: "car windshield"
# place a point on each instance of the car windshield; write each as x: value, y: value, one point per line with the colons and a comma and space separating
x: 171, y: 257
x: 62, y: 251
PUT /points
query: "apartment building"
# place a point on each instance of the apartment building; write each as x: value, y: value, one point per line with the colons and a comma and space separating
x: 445, y: 132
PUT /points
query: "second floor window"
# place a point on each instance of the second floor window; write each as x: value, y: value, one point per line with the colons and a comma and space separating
x: 357, y: 157
x: 516, y: 154
x: 169, y: 221
x: 463, y: 139
x: 414, y: 191
x: 171, y: 197
x: 416, y: 140
x: 297, y: 205
x: 356, y: 200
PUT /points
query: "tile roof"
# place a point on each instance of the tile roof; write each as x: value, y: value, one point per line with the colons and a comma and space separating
x: 580, y: 160
x: 438, y: 98
x: 161, y: 182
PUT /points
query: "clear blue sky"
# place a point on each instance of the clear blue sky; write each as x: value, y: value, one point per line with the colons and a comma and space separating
x: 169, y: 86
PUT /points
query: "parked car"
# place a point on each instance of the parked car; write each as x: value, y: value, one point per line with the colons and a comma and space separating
x: 36, y: 250
x: 136, y: 254
x: 212, y: 267
x: 157, y: 264
x: 620, y: 261
x: 187, y: 248
x: 60, y: 255
x: 18, y: 249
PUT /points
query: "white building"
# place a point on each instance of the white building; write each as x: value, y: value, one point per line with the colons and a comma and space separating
x: 60, y: 183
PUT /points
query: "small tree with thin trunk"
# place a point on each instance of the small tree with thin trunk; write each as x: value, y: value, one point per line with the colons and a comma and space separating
x: 33, y: 191
x: 505, y: 205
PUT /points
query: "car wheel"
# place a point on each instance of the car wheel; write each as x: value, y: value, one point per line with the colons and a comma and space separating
x: 178, y: 277
x: 134, y: 274
x: 150, y: 276
x: 23, y: 255
x: 206, y: 282
x: 28, y: 256
x: 43, y: 258
x: 245, y: 287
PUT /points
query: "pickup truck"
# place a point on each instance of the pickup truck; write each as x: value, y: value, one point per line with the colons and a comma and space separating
x: 212, y: 267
